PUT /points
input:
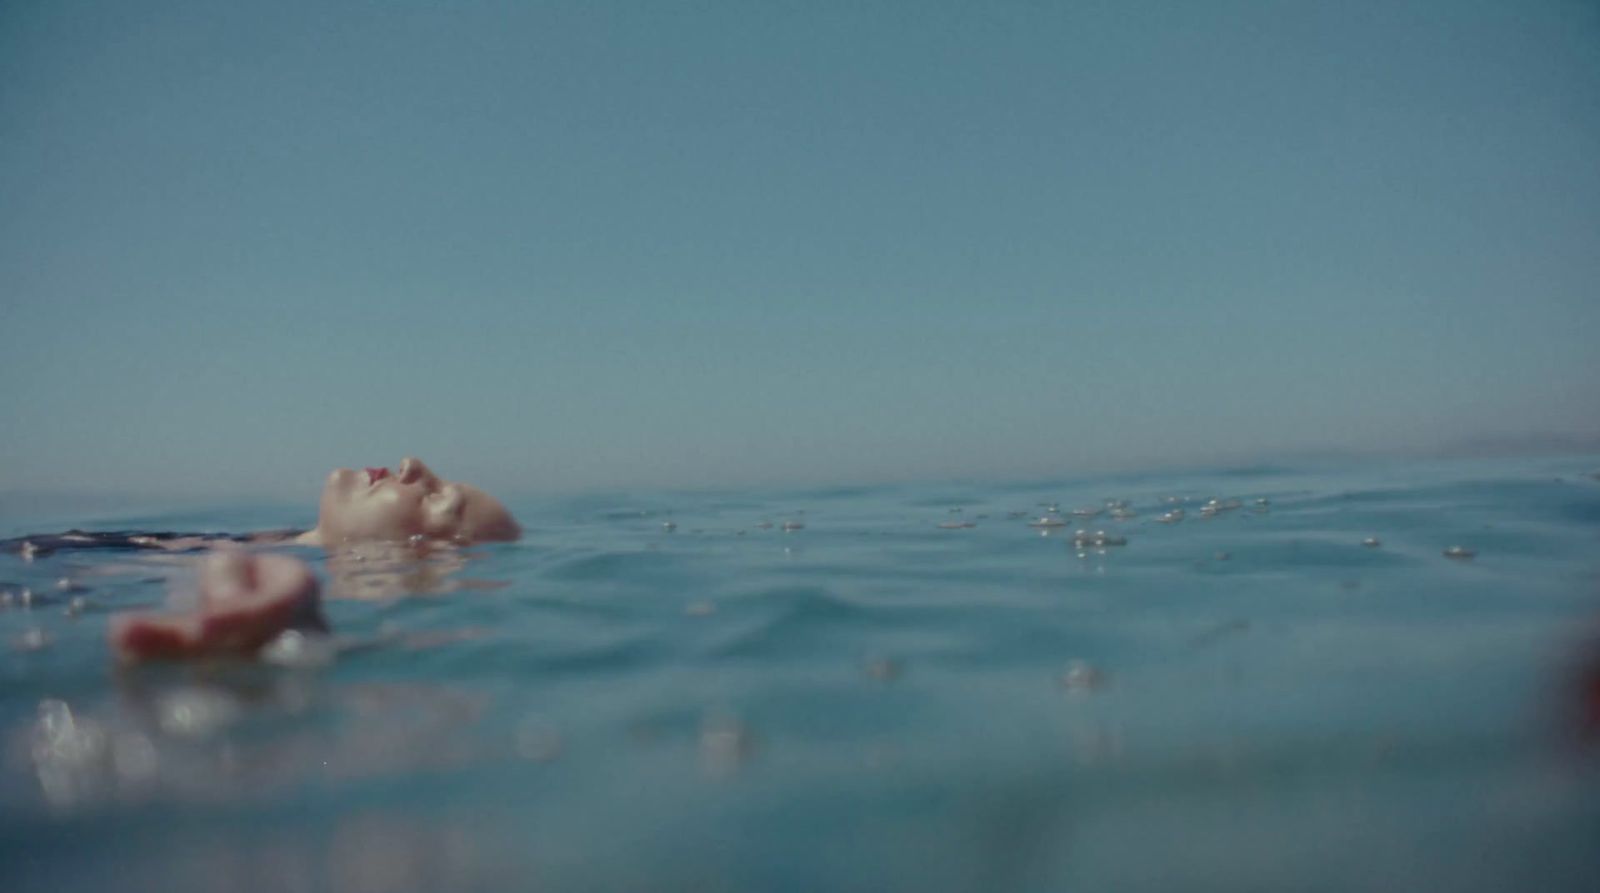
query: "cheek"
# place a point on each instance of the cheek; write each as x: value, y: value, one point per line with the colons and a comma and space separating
x: 387, y: 514
x: 442, y: 516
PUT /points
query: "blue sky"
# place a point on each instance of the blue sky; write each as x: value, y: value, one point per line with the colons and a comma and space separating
x: 567, y: 245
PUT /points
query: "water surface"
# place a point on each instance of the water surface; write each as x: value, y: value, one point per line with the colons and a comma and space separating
x: 910, y: 688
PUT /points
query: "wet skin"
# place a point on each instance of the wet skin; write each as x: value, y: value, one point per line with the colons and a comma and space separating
x: 375, y: 505
x: 246, y: 601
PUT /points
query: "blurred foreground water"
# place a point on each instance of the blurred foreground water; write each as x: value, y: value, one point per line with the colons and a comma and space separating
x: 1197, y: 681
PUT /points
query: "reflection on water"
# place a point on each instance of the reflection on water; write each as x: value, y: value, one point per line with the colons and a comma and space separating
x: 247, y: 732
x: 389, y: 570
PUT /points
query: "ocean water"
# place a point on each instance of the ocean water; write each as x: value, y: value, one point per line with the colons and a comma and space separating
x: 910, y: 689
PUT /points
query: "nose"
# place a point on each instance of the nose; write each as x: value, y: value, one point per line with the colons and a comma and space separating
x: 412, y: 470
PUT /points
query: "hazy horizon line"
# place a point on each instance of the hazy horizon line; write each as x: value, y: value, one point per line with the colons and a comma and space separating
x: 1486, y: 447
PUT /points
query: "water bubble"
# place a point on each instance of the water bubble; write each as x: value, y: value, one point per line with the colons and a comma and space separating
x: 67, y: 752
x: 300, y: 650
x: 1098, y: 539
x: 55, y: 720
x: 725, y: 743
x: 1372, y: 542
x: 33, y: 640
x: 1081, y: 675
x: 1459, y: 552
x: 195, y: 712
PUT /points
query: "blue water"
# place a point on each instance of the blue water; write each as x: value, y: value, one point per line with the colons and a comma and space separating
x: 1252, y: 700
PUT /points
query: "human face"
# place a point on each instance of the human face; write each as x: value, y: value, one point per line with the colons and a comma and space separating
x: 376, y: 504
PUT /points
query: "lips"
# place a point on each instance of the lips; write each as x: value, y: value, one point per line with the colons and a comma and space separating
x: 375, y: 475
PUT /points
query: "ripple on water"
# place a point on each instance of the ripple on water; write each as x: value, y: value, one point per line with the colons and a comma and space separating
x: 788, y: 620
x: 725, y: 689
x: 616, y: 565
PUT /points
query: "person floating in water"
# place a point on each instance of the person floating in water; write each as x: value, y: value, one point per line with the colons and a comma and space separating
x: 376, y: 505
x: 373, y: 505
x: 247, y: 600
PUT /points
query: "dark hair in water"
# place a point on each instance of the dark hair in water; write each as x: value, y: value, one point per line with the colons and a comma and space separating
x: 133, y: 540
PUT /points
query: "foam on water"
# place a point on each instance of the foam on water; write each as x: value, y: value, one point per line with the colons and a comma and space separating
x: 944, y: 688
